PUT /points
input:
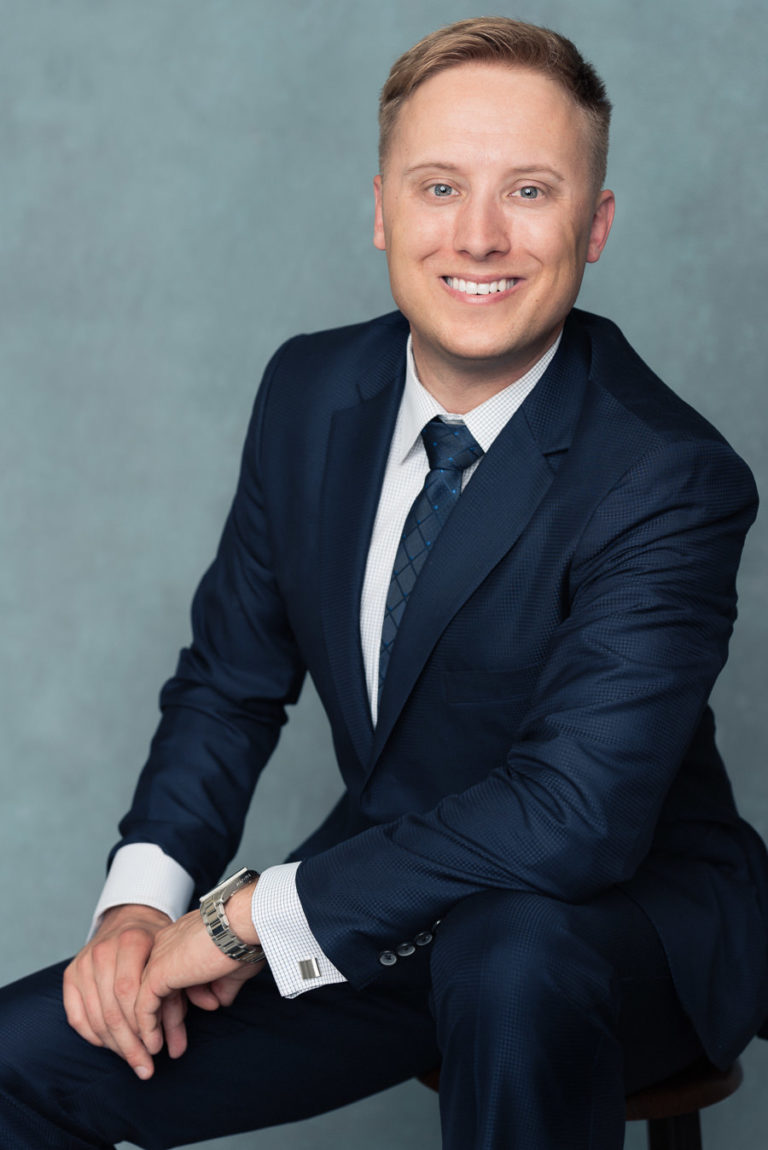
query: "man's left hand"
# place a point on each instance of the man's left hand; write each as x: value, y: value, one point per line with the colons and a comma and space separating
x: 184, y: 964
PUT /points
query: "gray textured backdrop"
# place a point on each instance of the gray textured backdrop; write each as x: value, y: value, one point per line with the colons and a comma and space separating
x: 184, y: 184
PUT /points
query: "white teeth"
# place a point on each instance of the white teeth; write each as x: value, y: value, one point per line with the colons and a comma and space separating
x: 470, y: 287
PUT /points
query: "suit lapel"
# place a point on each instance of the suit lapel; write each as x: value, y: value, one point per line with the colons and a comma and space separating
x: 357, y: 454
x: 492, y: 512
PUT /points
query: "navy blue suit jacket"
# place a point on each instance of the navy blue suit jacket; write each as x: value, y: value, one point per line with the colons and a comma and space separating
x: 544, y: 724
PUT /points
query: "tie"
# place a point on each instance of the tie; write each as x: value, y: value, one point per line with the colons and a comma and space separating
x: 451, y: 448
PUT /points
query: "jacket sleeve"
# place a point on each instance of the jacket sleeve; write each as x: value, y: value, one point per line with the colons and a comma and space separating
x: 625, y: 683
x: 223, y: 709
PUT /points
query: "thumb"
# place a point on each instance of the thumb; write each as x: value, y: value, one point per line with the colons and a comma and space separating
x: 228, y: 986
x: 203, y: 997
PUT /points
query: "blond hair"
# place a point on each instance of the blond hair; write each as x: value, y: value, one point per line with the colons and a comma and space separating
x: 497, y: 39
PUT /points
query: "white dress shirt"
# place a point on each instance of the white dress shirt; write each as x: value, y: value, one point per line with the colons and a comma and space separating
x: 143, y: 873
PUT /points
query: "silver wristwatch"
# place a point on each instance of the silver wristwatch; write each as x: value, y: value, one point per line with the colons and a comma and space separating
x: 217, y: 923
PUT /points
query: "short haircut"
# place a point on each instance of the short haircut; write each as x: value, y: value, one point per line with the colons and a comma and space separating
x: 499, y: 40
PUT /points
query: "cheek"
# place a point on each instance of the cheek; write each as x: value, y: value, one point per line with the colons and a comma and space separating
x: 560, y: 249
x: 417, y: 235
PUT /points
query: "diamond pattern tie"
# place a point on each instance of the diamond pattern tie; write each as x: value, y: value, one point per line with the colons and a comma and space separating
x: 451, y: 448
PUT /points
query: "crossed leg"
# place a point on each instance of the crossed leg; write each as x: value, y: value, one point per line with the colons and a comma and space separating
x: 542, y: 1013
x: 261, y: 1062
x: 547, y: 1014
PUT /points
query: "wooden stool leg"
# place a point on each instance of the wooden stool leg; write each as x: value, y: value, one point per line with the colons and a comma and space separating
x: 680, y: 1133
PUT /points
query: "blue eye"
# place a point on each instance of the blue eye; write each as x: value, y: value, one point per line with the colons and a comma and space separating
x: 529, y: 192
x: 442, y: 190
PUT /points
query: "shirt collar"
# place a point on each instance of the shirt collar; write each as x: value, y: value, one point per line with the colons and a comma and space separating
x: 485, y: 421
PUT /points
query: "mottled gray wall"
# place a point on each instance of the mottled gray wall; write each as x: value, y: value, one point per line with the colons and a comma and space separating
x: 184, y: 184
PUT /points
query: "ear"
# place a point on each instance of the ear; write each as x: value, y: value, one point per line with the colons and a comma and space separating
x: 379, y: 240
x: 601, y: 225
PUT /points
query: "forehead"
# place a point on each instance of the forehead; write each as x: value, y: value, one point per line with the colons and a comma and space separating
x: 489, y: 106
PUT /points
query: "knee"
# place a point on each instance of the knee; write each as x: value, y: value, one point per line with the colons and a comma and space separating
x: 497, y: 930
x: 512, y: 950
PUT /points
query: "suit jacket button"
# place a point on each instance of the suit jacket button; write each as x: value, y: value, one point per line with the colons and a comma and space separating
x: 405, y: 948
x: 423, y: 938
x: 387, y: 958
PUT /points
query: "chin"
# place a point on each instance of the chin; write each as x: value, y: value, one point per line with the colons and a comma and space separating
x: 484, y: 351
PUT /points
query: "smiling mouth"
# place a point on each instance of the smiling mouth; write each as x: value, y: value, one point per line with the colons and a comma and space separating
x: 472, y: 287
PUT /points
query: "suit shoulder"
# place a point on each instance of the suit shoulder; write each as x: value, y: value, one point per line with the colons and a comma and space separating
x: 618, y: 369
x: 325, y: 370
x: 313, y: 375
x: 335, y: 347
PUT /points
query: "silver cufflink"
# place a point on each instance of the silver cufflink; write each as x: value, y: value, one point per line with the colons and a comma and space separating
x: 308, y: 968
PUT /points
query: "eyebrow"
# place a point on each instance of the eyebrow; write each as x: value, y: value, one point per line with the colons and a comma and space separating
x: 519, y: 169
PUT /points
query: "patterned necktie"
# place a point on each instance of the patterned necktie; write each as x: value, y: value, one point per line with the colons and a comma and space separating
x: 451, y: 448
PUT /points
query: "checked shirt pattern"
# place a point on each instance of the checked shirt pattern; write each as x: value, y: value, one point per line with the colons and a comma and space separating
x: 451, y: 448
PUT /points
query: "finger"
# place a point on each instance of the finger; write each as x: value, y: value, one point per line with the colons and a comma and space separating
x: 91, y: 1001
x: 172, y: 1015
x: 119, y: 1038
x: 203, y: 996
x: 105, y: 1013
x: 148, y: 1017
x: 130, y: 961
x: 227, y: 988
x: 75, y: 1012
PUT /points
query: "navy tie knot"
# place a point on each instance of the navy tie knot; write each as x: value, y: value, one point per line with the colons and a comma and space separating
x: 449, y: 446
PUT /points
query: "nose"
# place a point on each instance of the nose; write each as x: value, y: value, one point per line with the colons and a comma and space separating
x: 481, y: 228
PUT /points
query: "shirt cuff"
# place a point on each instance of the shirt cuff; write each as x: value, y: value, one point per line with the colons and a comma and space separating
x: 293, y: 953
x: 144, y: 874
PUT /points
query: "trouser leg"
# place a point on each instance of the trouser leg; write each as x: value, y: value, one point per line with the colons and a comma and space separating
x: 546, y: 1015
x: 264, y: 1061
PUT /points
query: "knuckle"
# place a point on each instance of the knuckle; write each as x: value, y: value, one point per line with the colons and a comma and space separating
x: 113, y: 1017
x: 133, y: 936
x: 88, y: 1033
x: 125, y: 987
x: 73, y: 1016
x: 102, y: 953
x: 73, y: 971
x: 101, y: 1035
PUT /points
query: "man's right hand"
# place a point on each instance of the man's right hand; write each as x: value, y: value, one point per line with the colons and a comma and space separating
x: 102, y: 982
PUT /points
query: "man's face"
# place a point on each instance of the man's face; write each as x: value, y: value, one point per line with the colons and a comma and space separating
x: 487, y: 211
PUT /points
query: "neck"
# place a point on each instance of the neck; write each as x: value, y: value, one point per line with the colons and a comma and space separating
x: 461, y: 387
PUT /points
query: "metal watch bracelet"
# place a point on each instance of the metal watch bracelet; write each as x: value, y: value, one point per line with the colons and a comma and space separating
x: 217, y: 924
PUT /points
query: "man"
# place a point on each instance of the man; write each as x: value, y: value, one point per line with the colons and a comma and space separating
x: 536, y: 876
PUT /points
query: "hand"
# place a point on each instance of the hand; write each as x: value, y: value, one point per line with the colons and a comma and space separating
x: 102, y: 982
x: 184, y: 958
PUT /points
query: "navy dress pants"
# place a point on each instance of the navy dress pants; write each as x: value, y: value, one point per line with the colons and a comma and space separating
x: 543, y: 1015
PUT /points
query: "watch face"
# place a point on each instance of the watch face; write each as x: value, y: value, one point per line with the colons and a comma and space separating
x: 238, y: 880
x: 231, y: 884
